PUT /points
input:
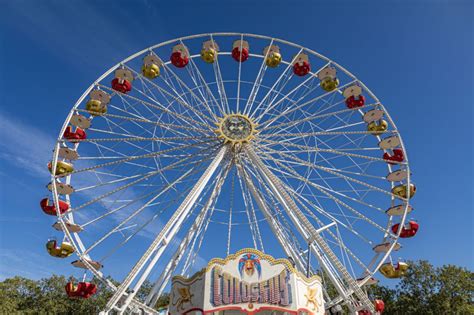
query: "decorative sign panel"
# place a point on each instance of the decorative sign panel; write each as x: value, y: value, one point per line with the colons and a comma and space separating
x: 247, y: 282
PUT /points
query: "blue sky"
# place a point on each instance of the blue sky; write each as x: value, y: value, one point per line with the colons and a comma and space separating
x: 416, y: 56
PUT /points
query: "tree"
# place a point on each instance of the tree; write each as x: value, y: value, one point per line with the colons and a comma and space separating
x: 417, y: 289
x: 428, y: 290
x: 424, y: 289
x: 456, y: 288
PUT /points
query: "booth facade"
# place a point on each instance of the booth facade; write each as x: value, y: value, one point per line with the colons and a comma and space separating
x: 247, y: 282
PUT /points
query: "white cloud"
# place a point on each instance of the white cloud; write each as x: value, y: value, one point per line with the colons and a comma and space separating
x: 25, y: 263
x: 25, y: 146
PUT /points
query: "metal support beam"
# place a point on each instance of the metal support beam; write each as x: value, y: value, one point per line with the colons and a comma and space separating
x: 325, y: 255
x: 272, y: 222
x: 165, y: 276
x: 160, y: 243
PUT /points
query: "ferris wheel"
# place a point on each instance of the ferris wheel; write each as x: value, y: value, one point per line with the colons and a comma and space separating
x: 208, y: 143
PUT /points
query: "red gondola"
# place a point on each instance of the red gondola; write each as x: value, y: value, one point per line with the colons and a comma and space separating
x: 301, y: 68
x: 178, y: 61
x: 121, y: 85
x: 301, y: 65
x: 379, y: 306
x: 397, y: 156
x: 49, y: 208
x: 78, y: 134
x: 180, y: 56
x: 408, y: 230
x: 81, y: 290
x: 240, y: 56
x: 355, y: 101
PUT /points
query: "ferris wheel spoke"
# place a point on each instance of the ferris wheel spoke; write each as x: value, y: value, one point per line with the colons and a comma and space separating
x: 150, y: 174
x: 220, y: 84
x: 335, y: 199
x: 324, y: 179
x: 125, y: 104
x: 177, y: 96
x: 250, y: 212
x: 293, y: 174
x: 336, y: 155
x: 288, y: 111
x: 127, y: 203
x: 129, y: 135
x: 251, y: 221
x: 290, y: 103
x: 198, y: 100
x: 322, y: 133
x: 257, y: 83
x: 272, y: 105
x: 331, y: 167
x: 148, y: 155
x: 291, y: 123
x: 169, y: 140
x: 290, y: 245
x: 304, y: 148
x: 319, y: 208
x: 285, y: 73
x: 157, y: 105
x: 340, y: 170
x: 135, y: 213
x: 154, y: 217
x: 334, y: 172
x: 111, y: 182
x: 286, y: 175
x: 239, y: 73
x: 167, y: 126
x: 182, y: 113
x: 208, y: 92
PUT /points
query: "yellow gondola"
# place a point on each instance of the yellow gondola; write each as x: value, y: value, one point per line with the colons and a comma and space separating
x: 392, y: 272
x: 96, y: 108
x: 209, y: 51
x: 273, y: 56
x: 63, y: 251
x: 401, y: 190
x: 328, y: 79
x: 151, y: 71
x: 61, y: 168
x: 377, y: 128
x: 151, y: 66
x: 329, y: 84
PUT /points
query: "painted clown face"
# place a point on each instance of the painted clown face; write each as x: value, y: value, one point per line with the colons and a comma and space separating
x: 249, y: 263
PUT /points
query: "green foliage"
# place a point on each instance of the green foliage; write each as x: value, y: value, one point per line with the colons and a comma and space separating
x: 48, y: 296
x: 428, y: 290
x: 423, y: 290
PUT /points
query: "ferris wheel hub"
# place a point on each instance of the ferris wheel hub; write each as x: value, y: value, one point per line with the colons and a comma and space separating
x: 236, y: 129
